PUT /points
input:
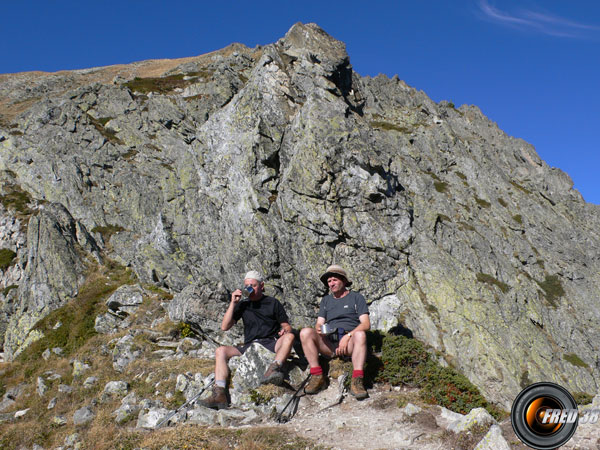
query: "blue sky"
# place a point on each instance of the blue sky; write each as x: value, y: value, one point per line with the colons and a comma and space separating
x: 530, y: 65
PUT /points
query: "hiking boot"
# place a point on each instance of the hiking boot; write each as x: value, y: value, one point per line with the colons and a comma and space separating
x: 218, y: 399
x: 273, y: 375
x: 357, y: 388
x: 317, y: 383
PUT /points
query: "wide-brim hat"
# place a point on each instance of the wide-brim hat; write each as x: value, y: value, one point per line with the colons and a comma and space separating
x: 335, y: 270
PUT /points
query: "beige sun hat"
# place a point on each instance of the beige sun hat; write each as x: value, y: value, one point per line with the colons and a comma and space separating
x: 335, y: 270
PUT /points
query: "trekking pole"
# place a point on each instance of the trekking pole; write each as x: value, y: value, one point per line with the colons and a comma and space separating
x: 342, y: 390
x: 189, y: 402
x: 280, y: 418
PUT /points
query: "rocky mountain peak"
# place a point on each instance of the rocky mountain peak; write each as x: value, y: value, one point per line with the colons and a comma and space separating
x: 282, y: 159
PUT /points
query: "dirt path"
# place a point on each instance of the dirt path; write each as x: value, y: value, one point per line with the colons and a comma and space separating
x: 375, y: 423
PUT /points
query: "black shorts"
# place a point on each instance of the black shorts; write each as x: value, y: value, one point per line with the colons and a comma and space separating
x: 268, y: 343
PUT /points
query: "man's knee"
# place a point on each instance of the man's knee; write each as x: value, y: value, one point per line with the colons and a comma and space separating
x: 288, y: 338
x: 307, y: 333
x: 223, y: 352
x: 360, y: 337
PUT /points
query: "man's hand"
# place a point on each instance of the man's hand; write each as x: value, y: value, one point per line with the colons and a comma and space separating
x: 342, y: 349
x: 236, y: 296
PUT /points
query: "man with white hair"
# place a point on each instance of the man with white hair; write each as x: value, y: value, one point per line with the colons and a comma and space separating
x: 265, y: 322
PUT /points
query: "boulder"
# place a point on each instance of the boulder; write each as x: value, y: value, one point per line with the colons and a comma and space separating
x: 79, y: 368
x: 476, y: 417
x: 249, y: 370
x: 83, y: 416
x: 90, y: 382
x: 41, y: 387
x: 151, y: 417
x: 126, y: 299
x: 124, y: 353
x: 115, y: 389
x: 59, y: 421
x: 493, y: 440
x: 201, y: 416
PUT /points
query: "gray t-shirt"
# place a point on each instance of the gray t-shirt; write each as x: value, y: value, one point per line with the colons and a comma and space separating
x: 343, y: 312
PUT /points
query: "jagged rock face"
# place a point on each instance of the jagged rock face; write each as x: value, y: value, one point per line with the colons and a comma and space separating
x: 284, y: 160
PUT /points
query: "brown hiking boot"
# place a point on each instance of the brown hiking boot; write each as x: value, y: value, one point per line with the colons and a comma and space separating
x: 273, y: 375
x: 357, y: 388
x: 218, y: 399
x: 316, y: 383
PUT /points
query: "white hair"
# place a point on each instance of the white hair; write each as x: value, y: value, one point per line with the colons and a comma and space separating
x: 254, y: 275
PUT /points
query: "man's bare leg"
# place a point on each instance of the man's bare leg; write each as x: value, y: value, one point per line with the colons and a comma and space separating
x: 313, y: 344
x: 222, y: 355
x: 283, y: 347
x: 218, y: 399
x: 358, y: 349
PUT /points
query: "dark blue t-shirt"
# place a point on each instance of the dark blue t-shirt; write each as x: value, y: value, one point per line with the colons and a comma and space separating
x: 262, y: 318
x: 343, y: 312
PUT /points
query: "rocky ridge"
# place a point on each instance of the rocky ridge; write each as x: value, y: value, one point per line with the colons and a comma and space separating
x: 283, y: 159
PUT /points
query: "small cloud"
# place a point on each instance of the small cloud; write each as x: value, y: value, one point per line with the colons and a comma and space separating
x: 537, y: 21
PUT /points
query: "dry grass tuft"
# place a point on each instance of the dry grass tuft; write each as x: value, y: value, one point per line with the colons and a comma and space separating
x: 193, y: 437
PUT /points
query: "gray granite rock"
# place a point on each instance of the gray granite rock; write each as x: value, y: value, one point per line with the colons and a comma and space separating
x: 116, y: 388
x: 124, y: 353
x: 493, y: 440
x: 83, y: 416
x: 151, y: 417
x: 476, y: 417
x: 79, y: 368
x: 41, y: 388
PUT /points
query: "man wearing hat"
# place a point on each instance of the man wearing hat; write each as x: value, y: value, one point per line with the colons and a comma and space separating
x: 347, y: 312
x: 265, y: 322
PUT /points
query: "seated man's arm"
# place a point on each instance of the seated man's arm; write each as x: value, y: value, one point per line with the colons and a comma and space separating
x: 285, y: 328
x: 320, y: 321
x: 364, y: 325
x: 229, y: 319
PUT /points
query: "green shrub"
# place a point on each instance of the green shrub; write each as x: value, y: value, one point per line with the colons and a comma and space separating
x: 552, y: 288
x: 441, y: 186
x: 406, y: 361
x: 17, y: 200
x: 483, y: 203
x: 575, y: 360
x: 403, y: 359
x: 450, y: 389
x: 387, y: 126
x: 163, y: 85
x: 108, y: 133
x: 107, y: 231
x: 7, y: 257
x: 185, y: 330
x: 518, y: 219
x: 485, y: 278
x: 582, y: 398
x: 520, y: 188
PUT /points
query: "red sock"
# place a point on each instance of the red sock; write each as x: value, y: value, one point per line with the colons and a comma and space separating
x: 358, y: 373
x: 316, y: 370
